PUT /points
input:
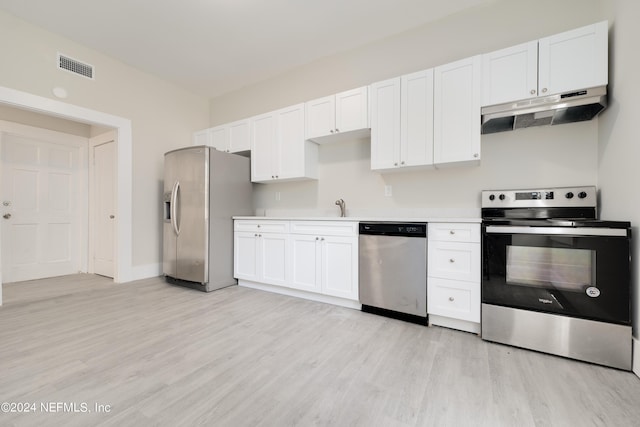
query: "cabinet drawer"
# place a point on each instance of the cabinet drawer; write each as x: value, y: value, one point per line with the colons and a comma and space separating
x: 454, y: 232
x: 454, y: 260
x: 325, y: 228
x: 455, y: 299
x: 265, y: 226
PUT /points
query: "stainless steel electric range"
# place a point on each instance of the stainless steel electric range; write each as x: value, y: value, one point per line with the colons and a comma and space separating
x: 555, y: 278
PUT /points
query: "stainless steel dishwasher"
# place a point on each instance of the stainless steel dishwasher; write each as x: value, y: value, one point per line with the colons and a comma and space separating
x: 393, y: 269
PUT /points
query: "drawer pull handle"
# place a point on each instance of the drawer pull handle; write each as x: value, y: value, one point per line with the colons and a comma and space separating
x: 452, y: 260
x: 451, y: 298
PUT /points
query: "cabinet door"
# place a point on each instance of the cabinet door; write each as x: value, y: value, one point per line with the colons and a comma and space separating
x: 219, y: 138
x: 245, y: 259
x: 305, y: 264
x: 273, y: 258
x: 263, y: 147
x: 351, y: 110
x: 416, y: 135
x: 510, y: 74
x: 320, y: 117
x: 456, y: 126
x: 576, y: 59
x: 239, y: 136
x: 201, y: 137
x: 340, y: 266
x: 385, y: 124
x: 291, y: 151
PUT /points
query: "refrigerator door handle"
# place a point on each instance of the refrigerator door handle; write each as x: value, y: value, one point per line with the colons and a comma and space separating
x: 174, y: 208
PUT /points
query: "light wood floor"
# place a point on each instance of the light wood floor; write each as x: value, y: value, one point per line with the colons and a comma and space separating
x: 170, y: 356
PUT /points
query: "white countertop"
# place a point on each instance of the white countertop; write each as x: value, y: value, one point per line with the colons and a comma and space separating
x: 361, y: 219
x: 468, y: 215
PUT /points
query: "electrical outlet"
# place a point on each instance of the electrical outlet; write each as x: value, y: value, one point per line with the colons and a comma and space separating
x: 388, y: 191
x: 277, y: 196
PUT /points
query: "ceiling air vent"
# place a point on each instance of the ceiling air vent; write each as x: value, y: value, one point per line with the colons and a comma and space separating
x: 75, y: 66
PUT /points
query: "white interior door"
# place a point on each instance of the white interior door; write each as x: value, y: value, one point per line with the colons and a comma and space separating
x: 41, y: 213
x: 104, y: 208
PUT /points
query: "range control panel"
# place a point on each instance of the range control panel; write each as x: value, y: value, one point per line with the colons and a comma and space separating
x: 541, y: 198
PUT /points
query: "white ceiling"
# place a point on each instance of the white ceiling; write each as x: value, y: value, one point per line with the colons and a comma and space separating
x: 215, y: 46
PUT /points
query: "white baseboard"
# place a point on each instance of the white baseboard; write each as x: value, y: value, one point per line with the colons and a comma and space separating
x: 139, y: 272
x: 461, y: 325
x: 636, y: 356
x: 301, y: 294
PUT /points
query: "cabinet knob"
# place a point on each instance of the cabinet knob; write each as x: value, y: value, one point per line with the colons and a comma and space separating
x: 451, y: 298
x: 255, y: 235
x: 276, y: 176
x: 476, y: 155
x: 259, y: 226
x: 544, y: 90
x: 533, y: 92
x: 322, y: 238
x: 317, y: 238
x: 452, y: 260
x: 331, y: 131
x: 337, y: 130
x: 402, y: 163
x: 395, y: 164
x: 452, y: 231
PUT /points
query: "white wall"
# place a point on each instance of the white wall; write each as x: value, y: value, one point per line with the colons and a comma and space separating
x: 163, y: 116
x: 561, y: 155
x: 619, y: 149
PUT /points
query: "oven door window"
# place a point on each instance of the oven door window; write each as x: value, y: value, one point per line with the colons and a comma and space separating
x: 551, y: 268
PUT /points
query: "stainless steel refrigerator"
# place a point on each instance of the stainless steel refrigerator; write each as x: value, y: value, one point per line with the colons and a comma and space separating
x: 203, y: 189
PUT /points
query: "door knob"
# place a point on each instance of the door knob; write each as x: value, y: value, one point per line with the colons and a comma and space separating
x: 6, y: 216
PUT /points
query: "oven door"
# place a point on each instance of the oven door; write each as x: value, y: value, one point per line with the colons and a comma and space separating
x: 580, y: 272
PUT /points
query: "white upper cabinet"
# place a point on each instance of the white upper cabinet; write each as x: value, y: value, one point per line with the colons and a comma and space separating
x: 336, y: 115
x: 402, y: 122
x: 278, y: 148
x: 264, y: 147
x: 231, y: 137
x: 201, y: 137
x: 456, y: 111
x: 239, y: 136
x: 385, y: 124
x: 219, y: 138
x: 510, y: 74
x: 573, y: 60
x: 416, y: 119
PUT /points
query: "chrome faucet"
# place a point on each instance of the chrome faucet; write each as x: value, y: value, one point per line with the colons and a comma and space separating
x: 343, y: 207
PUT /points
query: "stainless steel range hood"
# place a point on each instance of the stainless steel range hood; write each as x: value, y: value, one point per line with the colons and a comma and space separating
x: 556, y: 109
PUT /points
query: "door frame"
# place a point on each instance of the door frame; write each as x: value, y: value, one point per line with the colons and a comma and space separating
x: 95, y: 141
x: 124, y: 172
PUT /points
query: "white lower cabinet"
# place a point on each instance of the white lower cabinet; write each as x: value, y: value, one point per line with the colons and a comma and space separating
x: 453, y: 282
x: 318, y: 258
x: 262, y: 255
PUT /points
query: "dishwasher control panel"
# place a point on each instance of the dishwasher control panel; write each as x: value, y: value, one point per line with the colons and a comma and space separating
x: 394, y: 229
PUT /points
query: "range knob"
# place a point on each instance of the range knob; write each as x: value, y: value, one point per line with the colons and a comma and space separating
x: 492, y: 197
x: 569, y: 195
x: 501, y: 197
x: 582, y: 194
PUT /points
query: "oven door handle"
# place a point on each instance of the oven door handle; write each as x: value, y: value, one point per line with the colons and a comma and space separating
x: 563, y: 231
